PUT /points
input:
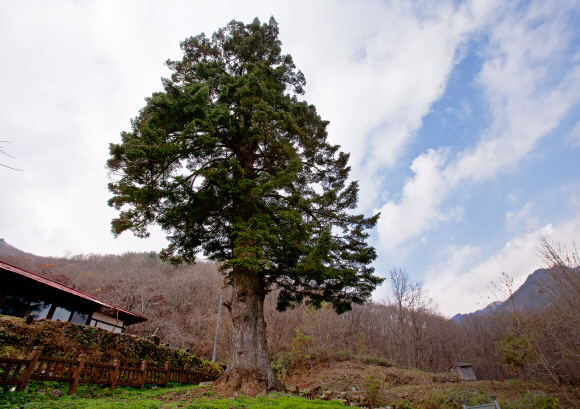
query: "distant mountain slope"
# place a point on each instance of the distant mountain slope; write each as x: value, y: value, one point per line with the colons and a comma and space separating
x: 9, y: 250
x: 22, y: 259
x: 527, y: 297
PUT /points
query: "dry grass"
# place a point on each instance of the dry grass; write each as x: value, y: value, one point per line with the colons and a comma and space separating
x: 422, y: 390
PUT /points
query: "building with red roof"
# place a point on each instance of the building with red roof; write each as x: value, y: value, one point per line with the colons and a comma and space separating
x: 23, y: 293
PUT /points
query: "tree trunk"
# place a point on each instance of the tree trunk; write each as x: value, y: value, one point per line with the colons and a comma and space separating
x: 249, y: 368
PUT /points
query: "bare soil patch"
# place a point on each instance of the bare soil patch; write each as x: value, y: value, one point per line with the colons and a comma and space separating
x: 416, y: 389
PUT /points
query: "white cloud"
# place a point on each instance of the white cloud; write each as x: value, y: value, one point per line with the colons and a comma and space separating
x: 512, y: 198
x: 526, y: 101
x: 417, y: 208
x: 459, y: 287
x: 75, y: 74
x: 376, y: 76
x: 523, y: 217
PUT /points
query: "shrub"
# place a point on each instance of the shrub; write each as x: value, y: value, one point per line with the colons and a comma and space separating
x: 453, y: 399
x: 372, y: 386
x: 536, y: 400
x: 374, y: 360
x: 342, y: 355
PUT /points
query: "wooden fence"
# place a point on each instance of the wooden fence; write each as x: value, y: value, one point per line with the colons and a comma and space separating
x: 74, y: 371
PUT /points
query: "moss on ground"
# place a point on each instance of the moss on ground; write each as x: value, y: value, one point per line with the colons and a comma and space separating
x: 68, y: 340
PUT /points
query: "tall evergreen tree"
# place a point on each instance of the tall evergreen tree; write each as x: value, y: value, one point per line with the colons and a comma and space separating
x: 230, y: 163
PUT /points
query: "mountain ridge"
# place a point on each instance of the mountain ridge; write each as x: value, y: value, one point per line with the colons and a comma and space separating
x: 529, y: 296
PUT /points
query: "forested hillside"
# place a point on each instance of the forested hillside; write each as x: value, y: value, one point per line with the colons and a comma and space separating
x: 406, y: 331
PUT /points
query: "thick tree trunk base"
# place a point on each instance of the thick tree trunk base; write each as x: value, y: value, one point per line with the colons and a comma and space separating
x: 248, y: 382
x: 249, y: 368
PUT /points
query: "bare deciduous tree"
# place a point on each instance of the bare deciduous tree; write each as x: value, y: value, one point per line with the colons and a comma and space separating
x: 3, y: 151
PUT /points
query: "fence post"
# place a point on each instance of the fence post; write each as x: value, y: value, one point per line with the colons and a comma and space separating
x: 144, y: 374
x: 347, y: 403
x: 116, y: 364
x: 297, y: 391
x: 185, y: 376
x: 166, y: 380
x: 77, y: 375
x: 34, y: 355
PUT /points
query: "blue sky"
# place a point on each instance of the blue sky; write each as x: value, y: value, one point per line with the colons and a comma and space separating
x: 462, y: 120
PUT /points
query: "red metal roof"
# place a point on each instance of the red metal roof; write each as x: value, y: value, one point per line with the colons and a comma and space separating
x: 61, y: 287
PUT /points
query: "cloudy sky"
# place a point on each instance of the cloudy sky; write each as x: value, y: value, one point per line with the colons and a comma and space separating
x: 462, y: 120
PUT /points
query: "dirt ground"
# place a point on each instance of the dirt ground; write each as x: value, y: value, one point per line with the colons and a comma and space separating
x: 400, y: 387
x: 347, y: 379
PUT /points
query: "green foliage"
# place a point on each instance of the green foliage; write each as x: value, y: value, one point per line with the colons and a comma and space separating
x: 7, y: 351
x: 453, y: 399
x: 374, y: 360
x: 301, y: 342
x: 230, y: 163
x: 282, y: 364
x: 281, y: 361
x: 9, y: 338
x: 342, y: 355
x: 373, y: 388
x: 515, y: 351
x: 535, y: 399
x: 301, y: 349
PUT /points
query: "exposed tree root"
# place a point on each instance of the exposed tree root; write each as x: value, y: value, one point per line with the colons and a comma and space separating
x: 248, y: 382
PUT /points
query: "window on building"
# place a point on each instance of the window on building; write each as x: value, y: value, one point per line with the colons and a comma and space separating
x: 79, y: 317
x: 107, y: 326
x: 61, y: 313
x: 40, y: 309
x: 14, y: 305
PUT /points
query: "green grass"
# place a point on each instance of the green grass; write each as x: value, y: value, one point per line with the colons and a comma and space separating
x: 278, y: 402
x: 37, y: 396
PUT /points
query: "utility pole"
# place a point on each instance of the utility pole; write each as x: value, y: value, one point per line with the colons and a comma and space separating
x: 217, y: 328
